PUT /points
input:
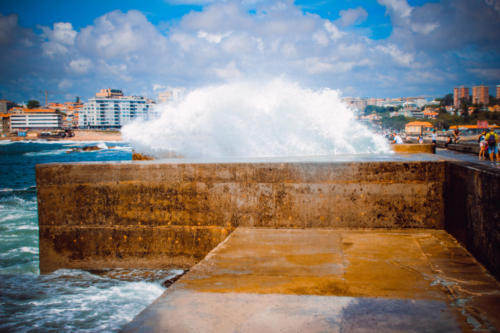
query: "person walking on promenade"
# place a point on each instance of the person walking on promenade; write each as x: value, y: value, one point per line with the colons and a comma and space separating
x: 397, y: 139
x: 483, y: 146
x: 456, y: 135
x: 492, y: 139
x: 434, y: 137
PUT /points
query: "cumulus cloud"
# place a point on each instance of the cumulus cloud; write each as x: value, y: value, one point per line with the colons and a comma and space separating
x: 58, y: 39
x: 400, y: 8
x: 212, y: 38
x: 118, y: 34
x: 80, y: 66
x: 352, y: 16
x: 402, y: 58
x: 333, y: 30
x: 65, y: 84
x: 224, y: 41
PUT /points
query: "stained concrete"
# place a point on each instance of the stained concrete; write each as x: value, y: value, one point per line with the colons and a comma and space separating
x: 409, y: 148
x: 472, y: 210
x: 329, y: 280
x: 159, y: 214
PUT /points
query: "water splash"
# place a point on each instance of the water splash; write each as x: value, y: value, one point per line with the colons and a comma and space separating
x: 254, y: 119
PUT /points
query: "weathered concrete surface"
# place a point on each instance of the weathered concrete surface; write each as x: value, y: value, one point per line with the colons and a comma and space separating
x: 324, y: 280
x: 152, y: 214
x: 410, y: 148
x: 472, y: 200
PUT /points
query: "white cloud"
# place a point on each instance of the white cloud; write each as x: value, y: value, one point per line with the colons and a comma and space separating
x: 321, y: 38
x: 402, y: 58
x: 80, y: 66
x: 118, y: 34
x: 424, y: 28
x: 489, y: 73
x: 494, y: 4
x: 65, y: 84
x: 225, y: 41
x: 212, y: 38
x: 58, y: 39
x: 352, y: 16
x: 228, y: 72
x: 400, y: 7
x: 157, y: 86
x: 333, y: 30
x: 62, y: 33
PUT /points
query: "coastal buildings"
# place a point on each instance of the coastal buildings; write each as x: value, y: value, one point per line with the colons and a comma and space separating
x: 480, y: 95
x: 164, y: 97
x: 111, y: 109
x: 498, y: 91
x: 5, y: 105
x: 459, y: 94
x: 30, y: 119
x: 70, y: 112
x: 418, y: 127
x: 4, y: 124
x: 356, y: 103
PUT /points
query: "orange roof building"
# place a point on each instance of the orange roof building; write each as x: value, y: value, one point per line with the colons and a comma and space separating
x: 4, y: 123
x: 418, y: 127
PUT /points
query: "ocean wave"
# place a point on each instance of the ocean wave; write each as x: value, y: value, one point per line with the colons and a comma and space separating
x: 24, y: 249
x: 13, y: 216
x: 77, y: 300
x: 46, y: 152
x: 11, y: 201
x: 27, y: 227
x: 22, y: 189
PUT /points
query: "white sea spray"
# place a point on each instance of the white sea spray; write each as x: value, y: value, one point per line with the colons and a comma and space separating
x: 254, y: 119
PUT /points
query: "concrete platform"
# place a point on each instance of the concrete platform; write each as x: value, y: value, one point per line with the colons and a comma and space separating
x: 330, y: 280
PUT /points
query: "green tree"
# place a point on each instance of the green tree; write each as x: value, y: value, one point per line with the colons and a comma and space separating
x: 493, y: 101
x: 33, y: 104
x: 447, y: 100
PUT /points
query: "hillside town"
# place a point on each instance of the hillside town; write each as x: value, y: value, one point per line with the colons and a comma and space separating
x: 110, y: 109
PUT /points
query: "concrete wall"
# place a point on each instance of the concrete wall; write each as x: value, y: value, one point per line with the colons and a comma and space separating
x: 149, y: 214
x: 472, y: 201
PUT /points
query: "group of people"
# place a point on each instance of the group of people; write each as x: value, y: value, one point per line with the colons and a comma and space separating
x: 489, y: 143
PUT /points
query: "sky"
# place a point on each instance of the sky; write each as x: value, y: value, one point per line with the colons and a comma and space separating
x: 364, y: 48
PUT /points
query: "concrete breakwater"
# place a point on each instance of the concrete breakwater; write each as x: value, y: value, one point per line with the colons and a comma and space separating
x: 157, y: 215
x: 292, y: 245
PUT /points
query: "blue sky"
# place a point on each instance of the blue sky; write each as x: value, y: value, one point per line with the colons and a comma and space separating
x: 368, y: 48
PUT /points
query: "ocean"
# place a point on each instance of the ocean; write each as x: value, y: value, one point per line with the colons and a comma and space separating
x: 67, y: 299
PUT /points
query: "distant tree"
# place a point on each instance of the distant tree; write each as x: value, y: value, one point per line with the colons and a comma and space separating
x: 397, y: 122
x: 33, y: 104
x: 447, y: 100
x: 493, y: 101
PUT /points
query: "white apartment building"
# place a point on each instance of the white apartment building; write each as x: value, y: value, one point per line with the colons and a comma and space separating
x: 35, y: 119
x: 110, y: 109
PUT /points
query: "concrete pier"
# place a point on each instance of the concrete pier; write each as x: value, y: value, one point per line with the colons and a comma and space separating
x: 340, y: 245
x: 166, y: 214
x: 329, y: 280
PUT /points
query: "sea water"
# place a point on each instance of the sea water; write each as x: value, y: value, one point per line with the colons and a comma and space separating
x: 65, y: 300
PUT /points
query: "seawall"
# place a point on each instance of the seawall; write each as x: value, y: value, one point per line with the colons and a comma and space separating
x: 472, y: 210
x: 171, y: 214
x: 160, y: 214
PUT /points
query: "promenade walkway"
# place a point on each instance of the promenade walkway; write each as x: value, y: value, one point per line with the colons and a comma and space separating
x: 330, y: 280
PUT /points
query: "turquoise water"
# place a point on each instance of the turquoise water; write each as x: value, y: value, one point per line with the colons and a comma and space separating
x: 66, y: 300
